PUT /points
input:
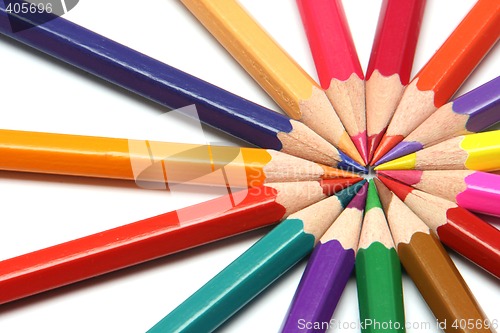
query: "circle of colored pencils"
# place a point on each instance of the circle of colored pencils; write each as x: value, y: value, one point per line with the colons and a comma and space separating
x: 337, y: 64
x: 378, y: 271
x: 390, y: 65
x: 276, y: 72
x: 158, y: 236
x: 256, y: 269
x: 456, y: 227
x: 444, y: 73
x: 472, y: 112
x: 327, y: 272
x: 473, y: 190
x: 480, y: 151
x: 170, y: 87
x: 431, y: 268
x: 152, y: 161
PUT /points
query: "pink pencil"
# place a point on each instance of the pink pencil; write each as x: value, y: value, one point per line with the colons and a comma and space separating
x: 337, y: 64
x: 473, y: 190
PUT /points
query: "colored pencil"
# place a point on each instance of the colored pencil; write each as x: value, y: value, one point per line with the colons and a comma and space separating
x: 390, y: 64
x: 431, y: 268
x: 256, y: 269
x: 276, y: 72
x: 152, y: 161
x: 444, y: 73
x: 474, y: 190
x: 327, y: 271
x: 470, y: 113
x: 455, y: 226
x: 378, y: 272
x: 158, y: 236
x: 480, y: 151
x: 337, y: 64
x: 169, y: 86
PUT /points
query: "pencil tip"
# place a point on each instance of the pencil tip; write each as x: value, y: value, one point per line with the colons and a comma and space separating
x: 359, y: 199
x: 396, y: 187
x: 386, y: 144
x: 372, y: 200
x: 345, y: 196
x: 401, y: 149
x: 360, y: 141
x: 407, y: 162
x: 331, y: 173
x: 346, y: 145
x: 409, y: 177
x: 348, y: 163
x: 373, y: 142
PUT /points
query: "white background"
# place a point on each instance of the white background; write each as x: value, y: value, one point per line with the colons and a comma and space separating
x: 41, y: 94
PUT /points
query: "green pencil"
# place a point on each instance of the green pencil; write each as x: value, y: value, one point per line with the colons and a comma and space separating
x: 257, y: 268
x: 378, y: 272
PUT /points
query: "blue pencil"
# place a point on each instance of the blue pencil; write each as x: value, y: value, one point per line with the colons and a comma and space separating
x: 171, y: 87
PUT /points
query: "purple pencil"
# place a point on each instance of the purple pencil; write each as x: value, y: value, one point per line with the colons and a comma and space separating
x: 327, y: 272
x: 470, y: 113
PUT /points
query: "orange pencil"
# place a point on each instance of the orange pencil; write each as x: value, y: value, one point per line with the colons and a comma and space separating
x: 153, y: 161
x: 444, y: 73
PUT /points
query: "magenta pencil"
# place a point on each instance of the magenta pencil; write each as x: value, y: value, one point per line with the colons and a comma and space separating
x: 474, y: 190
x: 327, y: 271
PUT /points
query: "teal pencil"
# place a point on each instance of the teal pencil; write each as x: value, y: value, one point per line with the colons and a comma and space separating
x: 256, y: 269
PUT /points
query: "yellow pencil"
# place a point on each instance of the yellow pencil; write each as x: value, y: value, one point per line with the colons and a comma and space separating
x: 152, y: 161
x: 277, y: 73
x: 479, y: 151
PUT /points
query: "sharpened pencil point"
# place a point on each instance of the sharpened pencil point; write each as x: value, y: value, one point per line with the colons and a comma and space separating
x: 345, y: 196
x: 348, y: 163
x: 409, y: 177
x: 373, y: 142
x: 397, y: 188
x: 360, y: 141
x: 403, y: 148
x: 386, y: 144
x: 407, y: 162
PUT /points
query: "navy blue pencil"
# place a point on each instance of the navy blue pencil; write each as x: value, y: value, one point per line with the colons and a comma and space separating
x: 171, y: 87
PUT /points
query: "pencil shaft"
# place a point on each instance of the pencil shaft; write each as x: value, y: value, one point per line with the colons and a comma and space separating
x: 440, y: 283
x: 154, y: 237
x: 320, y: 288
x: 396, y: 38
x: 162, y: 83
x: 473, y: 238
x: 241, y: 281
x: 378, y: 278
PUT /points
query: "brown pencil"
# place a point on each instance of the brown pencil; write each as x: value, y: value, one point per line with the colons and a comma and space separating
x: 431, y: 269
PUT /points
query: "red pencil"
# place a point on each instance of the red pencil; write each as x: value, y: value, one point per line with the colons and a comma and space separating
x: 158, y: 236
x: 337, y: 64
x: 444, y: 73
x: 390, y: 63
x: 459, y: 229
